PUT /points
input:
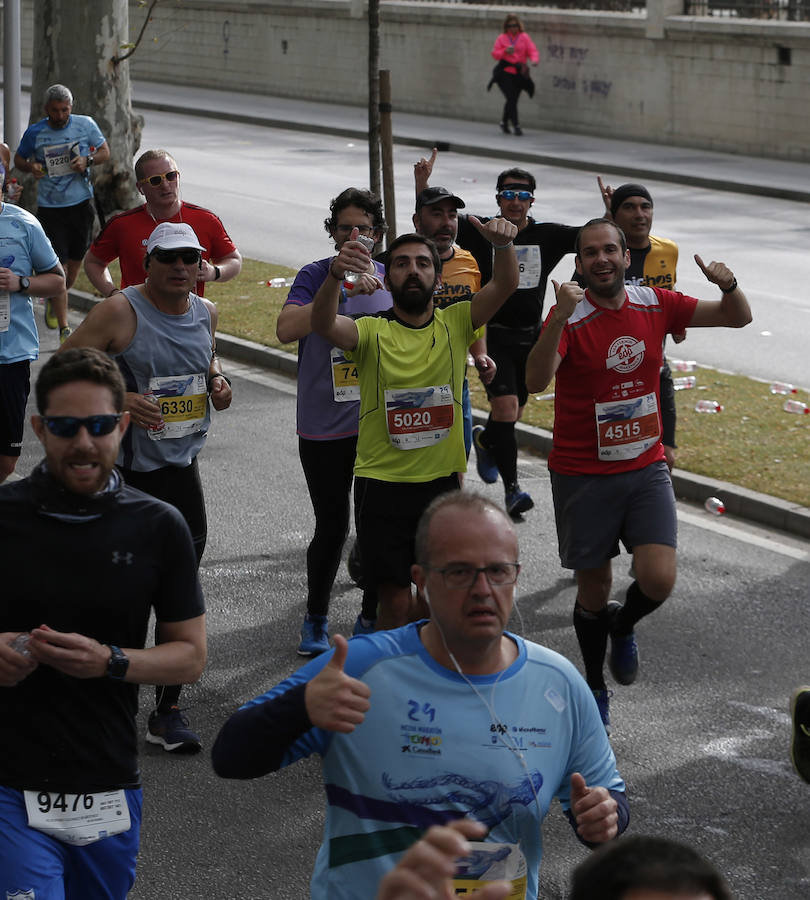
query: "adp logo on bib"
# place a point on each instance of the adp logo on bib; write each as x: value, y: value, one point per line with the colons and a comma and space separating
x: 625, y: 354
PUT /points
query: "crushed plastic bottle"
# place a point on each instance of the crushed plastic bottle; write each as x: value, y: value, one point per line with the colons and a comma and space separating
x: 682, y: 365
x: 715, y: 506
x: 684, y: 383
x: 155, y: 431
x: 279, y: 282
x: 796, y: 406
x: 782, y: 387
x: 349, y: 278
x: 20, y: 643
x: 708, y: 406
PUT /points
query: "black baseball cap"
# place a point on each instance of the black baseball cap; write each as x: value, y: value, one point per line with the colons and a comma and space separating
x: 433, y: 195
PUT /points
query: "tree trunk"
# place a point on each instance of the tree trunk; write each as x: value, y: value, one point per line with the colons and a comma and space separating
x: 74, y: 45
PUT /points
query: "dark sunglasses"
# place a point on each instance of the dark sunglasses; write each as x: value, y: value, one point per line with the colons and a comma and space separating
x: 167, y: 257
x: 521, y: 195
x: 157, y: 180
x: 68, y: 426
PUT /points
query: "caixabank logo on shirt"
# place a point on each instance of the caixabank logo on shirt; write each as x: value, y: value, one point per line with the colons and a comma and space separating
x: 419, y: 735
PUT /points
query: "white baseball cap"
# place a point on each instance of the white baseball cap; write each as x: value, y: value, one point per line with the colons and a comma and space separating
x: 173, y: 236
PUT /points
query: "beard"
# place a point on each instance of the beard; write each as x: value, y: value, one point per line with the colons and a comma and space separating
x: 412, y: 297
x: 606, y: 289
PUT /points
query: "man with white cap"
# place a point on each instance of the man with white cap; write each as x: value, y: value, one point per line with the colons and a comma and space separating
x: 163, y: 337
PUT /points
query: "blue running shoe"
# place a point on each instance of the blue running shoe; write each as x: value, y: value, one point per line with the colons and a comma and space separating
x: 487, y: 470
x: 170, y: 730
x: 517, y: 502
x: 314, y: 636
x: 603, y: 703
x: 360, y: 628
x: 800, y: 739
x: 623, y: 658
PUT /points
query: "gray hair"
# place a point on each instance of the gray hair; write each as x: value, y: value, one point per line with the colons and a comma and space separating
x: 58, y: 92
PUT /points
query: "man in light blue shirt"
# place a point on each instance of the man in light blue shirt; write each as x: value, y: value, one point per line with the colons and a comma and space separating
x: 28, y: 266
x: 59, y: 151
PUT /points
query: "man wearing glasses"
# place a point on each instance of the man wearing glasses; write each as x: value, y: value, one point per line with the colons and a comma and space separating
x: 124, y: 237
x: 437, y: 720
x: 72, y: 648
x: 59, y: 152
x: 513, y: 330
x: 162, y: 335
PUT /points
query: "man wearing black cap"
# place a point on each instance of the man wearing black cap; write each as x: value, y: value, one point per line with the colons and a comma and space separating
x: 653, y: 262
x: 436, y: 217
x: 514, y: 329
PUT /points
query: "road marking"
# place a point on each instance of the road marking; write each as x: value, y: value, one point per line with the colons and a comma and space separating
x: 262, y: 376
x: 712, y: 524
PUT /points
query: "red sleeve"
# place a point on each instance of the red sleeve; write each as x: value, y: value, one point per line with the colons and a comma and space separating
x: 106, y: 246
x: 680, y: 308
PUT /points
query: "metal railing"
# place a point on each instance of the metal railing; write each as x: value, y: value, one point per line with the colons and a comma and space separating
x: 785, y: 10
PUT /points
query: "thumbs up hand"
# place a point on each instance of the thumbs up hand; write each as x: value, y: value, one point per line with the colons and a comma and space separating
x: 335, y: 701
x: 595, y: 811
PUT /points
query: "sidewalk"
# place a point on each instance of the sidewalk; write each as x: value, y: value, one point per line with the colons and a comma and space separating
x: 630, y: 159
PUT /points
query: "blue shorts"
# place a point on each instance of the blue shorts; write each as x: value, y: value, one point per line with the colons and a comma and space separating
x: 594, y: 512
x: 33, y: 864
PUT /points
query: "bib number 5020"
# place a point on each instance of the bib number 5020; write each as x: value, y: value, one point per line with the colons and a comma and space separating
x: 412, y: 419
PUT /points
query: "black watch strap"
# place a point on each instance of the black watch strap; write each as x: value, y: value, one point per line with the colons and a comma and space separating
x: 118, y: 664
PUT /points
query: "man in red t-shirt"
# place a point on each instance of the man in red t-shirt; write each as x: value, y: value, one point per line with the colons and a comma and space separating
x: 609, y: 478
x: 124, y: 237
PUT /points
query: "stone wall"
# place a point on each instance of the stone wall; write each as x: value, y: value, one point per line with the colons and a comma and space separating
x: 719, y: 83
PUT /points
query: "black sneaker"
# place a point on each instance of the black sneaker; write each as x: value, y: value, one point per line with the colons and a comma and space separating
x: 800, y: 742
x: 353, y: 566
x: 623, y: 659
x: 170, y: 730
x: 603, y: 703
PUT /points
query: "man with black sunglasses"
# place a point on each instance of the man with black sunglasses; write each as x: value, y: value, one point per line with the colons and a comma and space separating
x: 125, y: 236
x: 72, y: 642
x: 513, y: 330
x: 163, y: 337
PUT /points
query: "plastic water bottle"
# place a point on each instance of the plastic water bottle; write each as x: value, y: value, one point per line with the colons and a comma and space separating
x: 20, y: 643
x: 683, y: 365
x: 708, y: 406
x: 13, y: 191
x: 684, y: 383
x: 350, y: 278
x: 715, y: 506
x: 796, y: 406
x: 277, y: 282
x: 782, y: 387
x: 155, y: 431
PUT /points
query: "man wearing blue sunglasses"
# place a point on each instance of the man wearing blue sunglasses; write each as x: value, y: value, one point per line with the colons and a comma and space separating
x: 72, y: 642
x: 513, y: 330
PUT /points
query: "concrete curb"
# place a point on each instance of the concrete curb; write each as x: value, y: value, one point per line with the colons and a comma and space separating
x: 760, y: 508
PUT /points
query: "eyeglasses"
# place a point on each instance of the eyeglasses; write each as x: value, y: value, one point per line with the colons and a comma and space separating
x: 167, y: 257
x: 521, y: 195
x: 462, y: 577
x: 157, y: 180
x: 366, y: 230
x: 68, y: 426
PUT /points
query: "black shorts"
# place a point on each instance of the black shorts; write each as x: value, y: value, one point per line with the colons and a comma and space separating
x: 387, y: 513
x: 69, y: 228
x: 510, y: 348
x: 15, y: 385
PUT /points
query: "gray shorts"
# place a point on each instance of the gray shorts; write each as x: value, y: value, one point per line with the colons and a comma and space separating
x: 594, y: 512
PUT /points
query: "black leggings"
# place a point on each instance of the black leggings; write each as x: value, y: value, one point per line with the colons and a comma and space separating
x: 182, y: 488
x: 510, y: 86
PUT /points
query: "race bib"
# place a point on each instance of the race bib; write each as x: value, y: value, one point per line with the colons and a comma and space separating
x: 419, y: 417
x: 78, y: 819
x: 58, y: 158
x: 491, y: 862
x: 345, y: 383
x: 627, y: 428
x: 183, y: 401
x: 529, y: 265
x: 5, y: 310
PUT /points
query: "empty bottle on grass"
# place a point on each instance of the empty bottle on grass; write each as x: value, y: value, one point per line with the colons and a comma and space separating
x: 796, y: 406
x: 684, y: 383
x: 782, y: 387
x: 708, y: 406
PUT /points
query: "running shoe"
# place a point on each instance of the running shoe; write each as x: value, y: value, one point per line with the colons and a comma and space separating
x: 360, y: 628
x: 170, y: 730
x: 314, y: 636
x: 517, y: 502
x: 353, y: 566
x: 603, y: 703
x: 65, y: 333
x: 487, y: 470
x: 800, y: 742
x: 623, y: 659
x: 50, y: 316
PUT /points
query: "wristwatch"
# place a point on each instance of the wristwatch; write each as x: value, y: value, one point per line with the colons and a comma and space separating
x: 25, y: 283
x: 118, y: 664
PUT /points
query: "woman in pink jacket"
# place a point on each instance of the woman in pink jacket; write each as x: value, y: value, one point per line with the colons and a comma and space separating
x: 513, y: 49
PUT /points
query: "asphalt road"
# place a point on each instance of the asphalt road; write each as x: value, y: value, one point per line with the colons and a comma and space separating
x: 272, y: 189
x: 701, y: 739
